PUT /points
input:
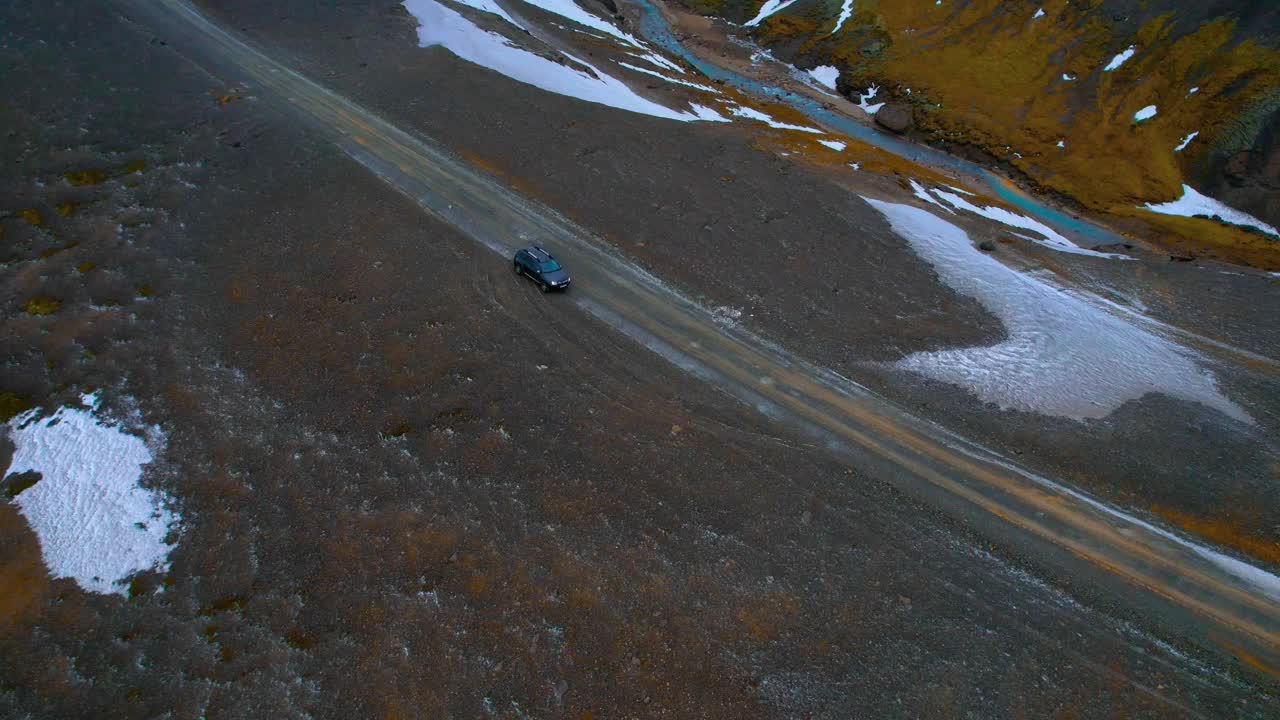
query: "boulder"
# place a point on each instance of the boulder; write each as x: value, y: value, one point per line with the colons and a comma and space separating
x: 896, y: 116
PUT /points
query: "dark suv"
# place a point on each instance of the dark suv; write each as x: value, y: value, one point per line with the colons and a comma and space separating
x: 541, y: 268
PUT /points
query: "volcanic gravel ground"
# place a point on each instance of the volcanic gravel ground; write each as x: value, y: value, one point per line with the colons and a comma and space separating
x: 412, y: 485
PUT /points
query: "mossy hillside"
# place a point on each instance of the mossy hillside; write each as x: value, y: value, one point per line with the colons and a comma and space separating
x: 990, y: 74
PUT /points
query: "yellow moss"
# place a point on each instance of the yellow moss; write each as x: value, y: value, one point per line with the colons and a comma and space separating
x: 80, y: 178
x: 31, y: 216
x: 11, y: 404
x: 990, y: 76
x: 41, y: 306
x: 1202, y: 237
x: 789, y: 26
x: 85, y: 267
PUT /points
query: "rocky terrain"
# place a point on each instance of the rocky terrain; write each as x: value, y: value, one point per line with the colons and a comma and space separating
x: 284, y: 436
x: 1029, y: 87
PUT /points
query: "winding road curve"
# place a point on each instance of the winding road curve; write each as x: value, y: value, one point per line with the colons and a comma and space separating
x: 1192, y: 592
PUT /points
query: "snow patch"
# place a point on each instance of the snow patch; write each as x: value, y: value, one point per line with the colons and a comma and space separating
x: 1193, y: 203
x: 1039, y: 14
x: 753, y: 114
x: 846, y: 11
x: 1186, y: 141
x: 1050, y: 238
x: 1120, y: 59
x: 658, y: 60
x: 708, y: 114
x: 570, y: 10
x: 440, y: 25
x: 95, y: 523
x: 1068, y: 77
x: 826, y: 75
x: 1062, y: 356
x: 489, y: 6
x: 924, y: 195
x: 833, y: 144
x: 865, y: 98
x: 676, y: 81
x: 770, y: 7
x: 1145, y: 113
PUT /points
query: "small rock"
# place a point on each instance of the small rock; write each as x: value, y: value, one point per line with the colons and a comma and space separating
x: 987, y: 246
x: 1117, y: 247
x: 1181, y: 258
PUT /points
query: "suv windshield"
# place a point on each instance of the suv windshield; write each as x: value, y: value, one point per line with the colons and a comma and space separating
x: 549, y: 266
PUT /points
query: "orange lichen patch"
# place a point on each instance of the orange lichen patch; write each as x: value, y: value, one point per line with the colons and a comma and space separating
x: 67, y: 208
x: 32, y: 217
x: 24, y: 581
x: 767, y: 619
x: 1254, y: 662
x: 1225, y: 530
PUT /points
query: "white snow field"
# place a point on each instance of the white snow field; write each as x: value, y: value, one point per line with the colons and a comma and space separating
x: 1063, y: 356
x: 826, y: 75
x: 95, y: 523
x: 1193, y: 203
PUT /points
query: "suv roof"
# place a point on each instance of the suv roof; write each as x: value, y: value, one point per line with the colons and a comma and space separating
x: 539, y: 254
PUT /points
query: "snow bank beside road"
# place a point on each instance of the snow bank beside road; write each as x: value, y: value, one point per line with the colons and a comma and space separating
x: 94, y: 521
x: 1063, y: 356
